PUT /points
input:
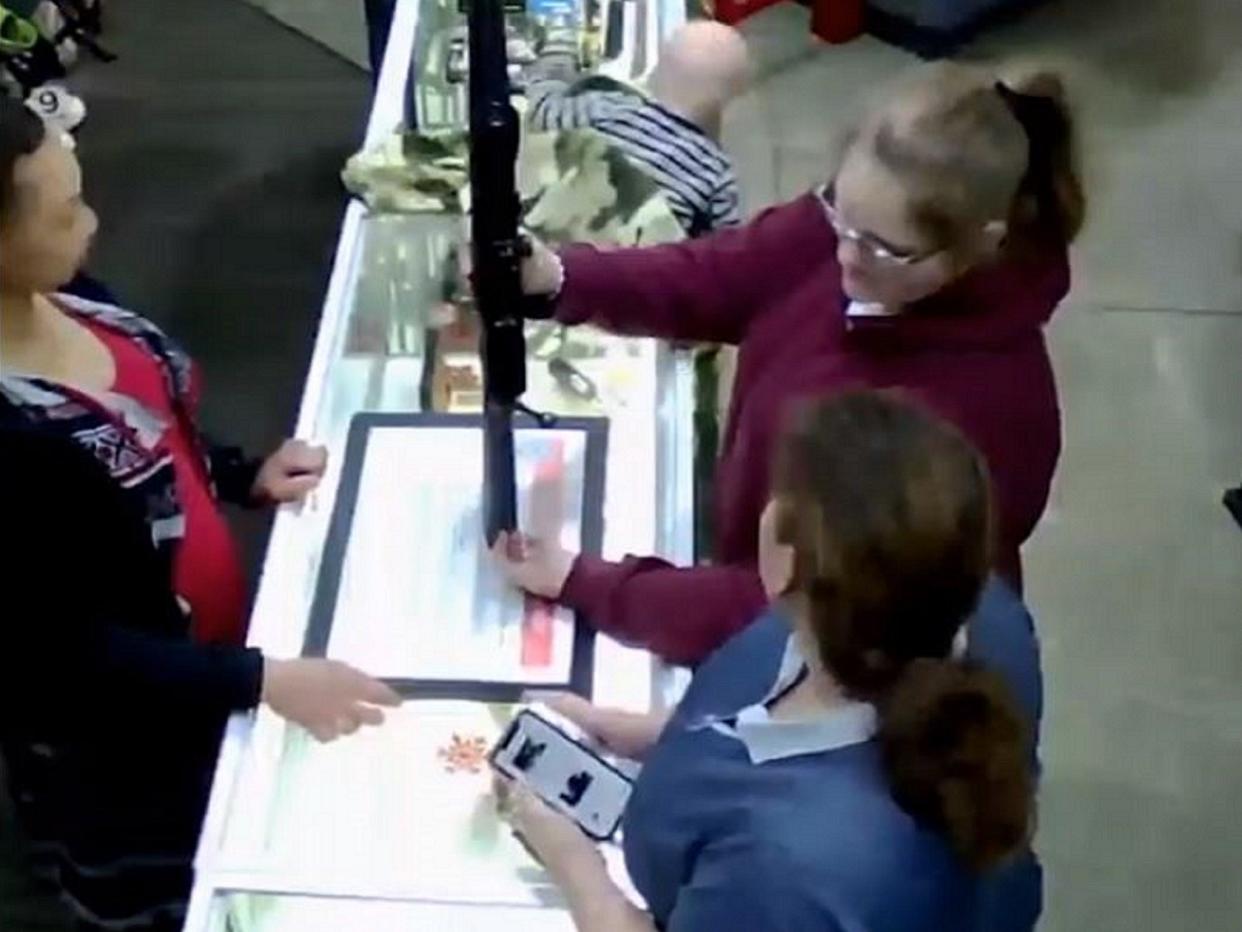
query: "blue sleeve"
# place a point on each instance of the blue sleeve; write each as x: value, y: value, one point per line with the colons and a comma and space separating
x: 1001, y: 637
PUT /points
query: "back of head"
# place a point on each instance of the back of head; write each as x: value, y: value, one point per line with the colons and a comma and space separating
x: 21, y: 134
x: 702, y: 67
x: 972, y: 150
x: 887, y: 511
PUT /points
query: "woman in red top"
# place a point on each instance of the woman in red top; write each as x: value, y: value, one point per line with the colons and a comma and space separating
x: 103, y: 381
x: 931, y: 263
x: 119, y: 553
x: 120, y: 366
x: 207, y: 572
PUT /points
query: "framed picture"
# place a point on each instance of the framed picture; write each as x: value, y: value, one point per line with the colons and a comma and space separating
x: 407, y: 589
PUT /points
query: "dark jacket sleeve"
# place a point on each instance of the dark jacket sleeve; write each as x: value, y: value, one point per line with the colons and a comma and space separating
x: 233, y: 473
x: 88, y: 606
x: 136, y: 668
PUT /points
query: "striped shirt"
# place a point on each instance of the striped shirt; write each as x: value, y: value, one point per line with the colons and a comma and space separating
x: 690, y: 167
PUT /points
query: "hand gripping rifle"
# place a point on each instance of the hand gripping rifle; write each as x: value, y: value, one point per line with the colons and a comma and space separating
x: 498, y: 250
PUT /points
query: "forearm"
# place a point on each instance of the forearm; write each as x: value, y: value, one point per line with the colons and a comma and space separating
x: 672, y: 292
x: 681, y: 614
x: 651, y: 727
x: 171, y: 674
x: 595, y: 902
x: 707, y: 290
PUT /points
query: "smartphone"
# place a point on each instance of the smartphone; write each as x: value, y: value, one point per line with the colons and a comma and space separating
x: 551, y: 756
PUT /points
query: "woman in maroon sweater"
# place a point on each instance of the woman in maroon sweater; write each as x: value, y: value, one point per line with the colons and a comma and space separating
x: 930, y: 262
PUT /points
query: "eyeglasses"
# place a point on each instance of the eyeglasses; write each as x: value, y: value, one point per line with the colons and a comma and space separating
x: 872, y: 245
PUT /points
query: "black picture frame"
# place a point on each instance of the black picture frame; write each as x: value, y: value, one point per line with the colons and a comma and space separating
x: 328, y: 582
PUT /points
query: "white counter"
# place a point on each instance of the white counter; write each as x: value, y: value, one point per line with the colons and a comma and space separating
x: 271, y: 793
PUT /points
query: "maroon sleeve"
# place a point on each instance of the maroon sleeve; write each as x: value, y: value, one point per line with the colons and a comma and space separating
x: 705, y: 290
x: 680, y: 614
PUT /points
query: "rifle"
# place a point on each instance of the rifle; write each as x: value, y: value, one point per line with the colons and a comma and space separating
x: 498, y: 249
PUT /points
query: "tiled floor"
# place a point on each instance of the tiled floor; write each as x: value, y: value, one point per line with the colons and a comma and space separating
x: 1136, y: 574
x: 338, y: 24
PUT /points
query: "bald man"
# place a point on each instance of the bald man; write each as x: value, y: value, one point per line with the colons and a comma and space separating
x: 672, y: 131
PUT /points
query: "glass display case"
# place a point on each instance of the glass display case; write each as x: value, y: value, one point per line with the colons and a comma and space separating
x: 358, y: 834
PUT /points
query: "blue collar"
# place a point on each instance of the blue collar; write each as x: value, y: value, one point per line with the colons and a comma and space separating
x: 766, y: 739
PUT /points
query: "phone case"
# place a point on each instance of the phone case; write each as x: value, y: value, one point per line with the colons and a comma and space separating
x: 566, y: 730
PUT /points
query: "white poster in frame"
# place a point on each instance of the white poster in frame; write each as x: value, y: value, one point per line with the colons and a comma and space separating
x: 407, y: 589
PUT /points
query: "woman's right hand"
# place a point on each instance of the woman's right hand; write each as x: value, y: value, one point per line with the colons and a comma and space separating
x: 626, y: 734
x: 326, y: 697
x: 542, y: 271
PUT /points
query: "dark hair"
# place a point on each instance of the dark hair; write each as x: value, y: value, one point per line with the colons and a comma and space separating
x: 972, y: 149
x: 887, y: 510
x: 21, y: 134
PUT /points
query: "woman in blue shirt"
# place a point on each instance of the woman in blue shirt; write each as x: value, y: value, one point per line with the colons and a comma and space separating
x: 834, y: 766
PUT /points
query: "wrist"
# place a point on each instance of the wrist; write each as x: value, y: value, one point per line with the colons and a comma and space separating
x: 557, y: 275
x: 563, y: 572
x: 654, y: 724
x: 587, y: 886
x: 271, y: 674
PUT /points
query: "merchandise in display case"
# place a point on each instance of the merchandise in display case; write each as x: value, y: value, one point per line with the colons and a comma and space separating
x: 388, y: 828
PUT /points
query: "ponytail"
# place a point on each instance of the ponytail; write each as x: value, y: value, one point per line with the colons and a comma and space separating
x: 1050, y: 204
x: 888, y: 513
x: 956, y: 751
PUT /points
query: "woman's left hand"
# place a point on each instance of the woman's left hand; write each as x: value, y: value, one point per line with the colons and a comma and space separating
x: 554, y: 839
x: 290, y: 474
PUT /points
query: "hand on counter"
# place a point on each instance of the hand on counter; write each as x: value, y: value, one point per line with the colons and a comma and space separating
x: 326, y: 697
x: 626, y: 734
x: 290, y: 474
x: 535, y: 566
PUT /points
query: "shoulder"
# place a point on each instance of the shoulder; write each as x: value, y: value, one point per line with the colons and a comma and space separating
x: 604, y: 95
x: 1045, y: 268
x: 1001, y: 625
x: 741, y: 670
x: 798, y: 229
x: 103, y: 311
x: 868, y: 866
x: 602, y: 84
x: 169, y: 352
